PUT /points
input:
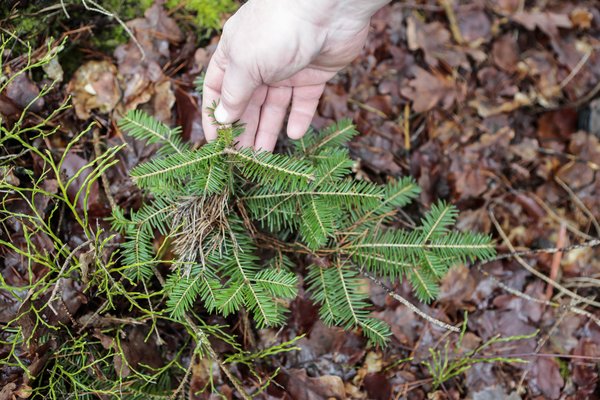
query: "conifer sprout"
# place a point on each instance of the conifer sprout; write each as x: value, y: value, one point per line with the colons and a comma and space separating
x: 238, y: 219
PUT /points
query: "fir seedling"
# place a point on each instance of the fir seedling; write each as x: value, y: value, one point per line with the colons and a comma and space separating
x: 221, y: 207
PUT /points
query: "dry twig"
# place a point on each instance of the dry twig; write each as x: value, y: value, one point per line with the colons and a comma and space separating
x: 410, y: 306
x: 535, y: 272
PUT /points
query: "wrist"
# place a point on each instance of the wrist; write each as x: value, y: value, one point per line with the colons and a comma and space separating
x: 361, y: 9
x: 336, y: 13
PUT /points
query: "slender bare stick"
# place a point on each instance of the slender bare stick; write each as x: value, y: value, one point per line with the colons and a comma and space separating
x: 409, y: 305
x: 535, y: 272
x: 64, y: 8
x: 99, y: 9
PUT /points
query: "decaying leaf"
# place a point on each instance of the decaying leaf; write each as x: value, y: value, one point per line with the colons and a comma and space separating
x: 427, y: 90
x: 94, y: 86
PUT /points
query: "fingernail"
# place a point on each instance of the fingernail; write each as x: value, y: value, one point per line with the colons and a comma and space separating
x: 221, y: 115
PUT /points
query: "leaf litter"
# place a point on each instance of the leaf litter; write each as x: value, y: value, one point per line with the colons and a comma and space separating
x: 484, y: 105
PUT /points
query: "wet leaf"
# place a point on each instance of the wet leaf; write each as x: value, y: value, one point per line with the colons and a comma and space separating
x: 427, y: 90
x: 301, y: 386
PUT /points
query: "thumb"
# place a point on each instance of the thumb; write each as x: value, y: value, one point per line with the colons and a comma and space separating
x: 236, y: 92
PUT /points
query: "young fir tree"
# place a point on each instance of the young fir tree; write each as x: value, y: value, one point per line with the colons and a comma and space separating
x: 218, y: 205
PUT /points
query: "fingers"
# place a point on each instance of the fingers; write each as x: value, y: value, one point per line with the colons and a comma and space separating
x: 251, y: 116
x: 271, y: 117
x: 304, y: 105
x: 237, y: 90
x: 211, y: 92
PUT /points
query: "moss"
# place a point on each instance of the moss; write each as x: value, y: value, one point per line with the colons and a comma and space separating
x: 207, y: 14
x: 126, y: 9
x: 106, y: 38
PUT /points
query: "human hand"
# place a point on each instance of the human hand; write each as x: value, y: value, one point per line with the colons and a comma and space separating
x: 276, y: 52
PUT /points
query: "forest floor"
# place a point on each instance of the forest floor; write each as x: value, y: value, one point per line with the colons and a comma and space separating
x: 491, y: 105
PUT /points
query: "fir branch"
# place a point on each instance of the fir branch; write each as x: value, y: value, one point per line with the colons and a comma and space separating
x: 175, y: 167
x: 437, y: 221
x: 331, y: 137
x: 267, y: 168
x: 313, y: 199
x: 145, y: 127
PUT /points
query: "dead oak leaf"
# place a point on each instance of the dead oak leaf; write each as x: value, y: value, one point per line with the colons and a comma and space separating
x: 94, y: 86
x: 427, y: 90
x: 547, y: 378
x: 547, y: 22
x: 301, y: 386
x: 581, y: 18
x: 550, y: 23
x: 505, y: 53
x: 435, y: 42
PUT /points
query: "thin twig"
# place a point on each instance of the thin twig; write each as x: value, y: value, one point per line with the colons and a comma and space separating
x: 541, y: 342
x: 64, y: 8
x: 535, y: 272
x: 551, y: 152
x: 409, y: 305
x: 454, y: 28
x: 579, y: 203
x: 525, y: 296
x: 577, y: 68
x: 101, y: 10
x: 556, y: 258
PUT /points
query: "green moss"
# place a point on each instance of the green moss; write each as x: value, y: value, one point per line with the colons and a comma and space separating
x: 113, y: 35
x: 126, y: 9
x: 563, y: 367
x: 207, y: 13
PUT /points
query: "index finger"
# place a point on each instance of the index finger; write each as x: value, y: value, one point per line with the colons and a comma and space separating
x: 211, y: 93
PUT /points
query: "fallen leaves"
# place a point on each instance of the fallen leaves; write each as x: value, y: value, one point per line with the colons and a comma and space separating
x: 435, y: 42
x: 493, y: 124
x: 427, y: 90
x: 581, y: 18
x: 301, y: 386
x: 94, y: 86
x: 137, y: 78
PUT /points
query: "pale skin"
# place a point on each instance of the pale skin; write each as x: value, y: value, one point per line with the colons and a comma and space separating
x: 277, y: 55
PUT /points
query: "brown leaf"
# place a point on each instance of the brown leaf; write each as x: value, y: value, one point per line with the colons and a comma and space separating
x: 22, y: 91
x: 154, y: 32
x: 70, y: 167
x: 547, y: 22
x: 474, y: 24
x: 585, y: 374
x: 434, y: 40
x: 302, y: 387
x: 163, y: 101
x: 546, y: 378
x: 204, y: 371
x: 457, y: 288
x: 506, y: 7
x: 8, y: 108
x: 486, y: 108
x: 189, y: 116
x: 94, y: 86
x: 142, y: 77
x: 581, y: 18
x: 427, y: 90
x: 23, y: 392
x: 378, y: 386
x: 7, y: 392
x: 505, y: 53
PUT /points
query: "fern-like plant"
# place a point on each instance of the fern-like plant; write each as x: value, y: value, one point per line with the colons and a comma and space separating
x: 237, y: 220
